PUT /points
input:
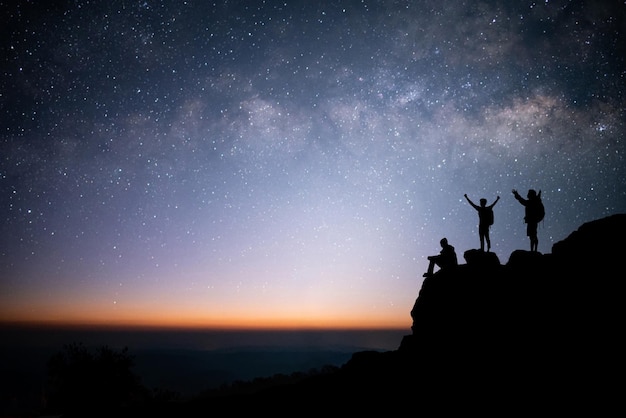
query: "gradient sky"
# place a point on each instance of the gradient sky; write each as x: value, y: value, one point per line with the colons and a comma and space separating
x: 291, y: 163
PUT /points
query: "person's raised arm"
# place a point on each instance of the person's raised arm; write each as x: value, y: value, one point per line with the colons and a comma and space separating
x: 470, y: 202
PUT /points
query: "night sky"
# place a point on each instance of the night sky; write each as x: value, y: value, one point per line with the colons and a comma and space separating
x: 291, y: 163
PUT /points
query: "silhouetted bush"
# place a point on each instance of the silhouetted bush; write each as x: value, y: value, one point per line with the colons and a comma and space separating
x: 80, y: 379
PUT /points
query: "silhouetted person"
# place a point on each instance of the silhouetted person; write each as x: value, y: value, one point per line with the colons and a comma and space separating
x: 485, y: 220
x: 531, y: 204
x: 445, y: 259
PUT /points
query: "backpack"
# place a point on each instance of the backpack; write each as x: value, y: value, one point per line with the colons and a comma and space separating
x: 536, y: 211
x: 489, y: 216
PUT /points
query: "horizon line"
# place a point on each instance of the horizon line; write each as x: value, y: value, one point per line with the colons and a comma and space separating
x: 124, y: 326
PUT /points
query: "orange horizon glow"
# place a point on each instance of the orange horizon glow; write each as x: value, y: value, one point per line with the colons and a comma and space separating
x: 196, y: 326
x: 306, y: 315
x: 191, y: 319
x: 223, y: 324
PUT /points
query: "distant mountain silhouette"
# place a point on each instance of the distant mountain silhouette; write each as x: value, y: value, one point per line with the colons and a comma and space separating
x: 538, y: 335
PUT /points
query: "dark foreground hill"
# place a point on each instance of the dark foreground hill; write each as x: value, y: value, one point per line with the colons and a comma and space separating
x: 539, y: 334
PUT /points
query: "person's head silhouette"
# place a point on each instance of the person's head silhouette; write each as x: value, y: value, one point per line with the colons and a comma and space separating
x: 531, y: 194
x: 483, y: 201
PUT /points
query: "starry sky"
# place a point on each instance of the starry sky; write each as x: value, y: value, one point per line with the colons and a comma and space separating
x: 291, y: 163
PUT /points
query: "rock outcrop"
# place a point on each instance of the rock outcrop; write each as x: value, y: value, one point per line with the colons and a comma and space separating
x: 541, y: 331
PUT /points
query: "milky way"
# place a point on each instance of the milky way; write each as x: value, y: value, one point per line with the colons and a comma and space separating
x: 295, y: 162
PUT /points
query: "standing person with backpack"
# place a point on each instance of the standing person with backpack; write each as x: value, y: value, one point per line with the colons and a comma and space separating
x: 485, y: 220
x: 533, y: 214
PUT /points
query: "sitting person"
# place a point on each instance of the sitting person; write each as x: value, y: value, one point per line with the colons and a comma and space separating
x: 445, y: 259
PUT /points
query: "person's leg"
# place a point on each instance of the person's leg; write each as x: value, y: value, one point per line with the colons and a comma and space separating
x: 431, y: 266
x: 485, y: 238
x: 481, y: 234
x: 534, y: 241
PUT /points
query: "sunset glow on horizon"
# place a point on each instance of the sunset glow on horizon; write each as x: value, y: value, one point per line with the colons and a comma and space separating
x: 228, y: 317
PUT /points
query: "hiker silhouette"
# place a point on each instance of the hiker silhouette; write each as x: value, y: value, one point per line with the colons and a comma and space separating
x: 485, y: 219
x: 531, y: 215
x: 445, y: 259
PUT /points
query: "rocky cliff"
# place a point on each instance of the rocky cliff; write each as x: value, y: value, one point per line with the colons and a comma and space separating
x: 541, y: 331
